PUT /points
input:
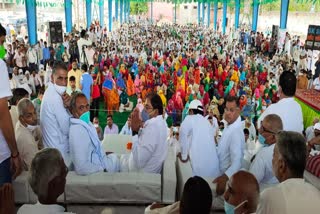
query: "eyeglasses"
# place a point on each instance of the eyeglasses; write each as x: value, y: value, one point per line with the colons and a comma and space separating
x: 263, y: 129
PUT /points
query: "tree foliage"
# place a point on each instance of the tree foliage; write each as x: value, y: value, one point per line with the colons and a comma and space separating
x: 138, y: 8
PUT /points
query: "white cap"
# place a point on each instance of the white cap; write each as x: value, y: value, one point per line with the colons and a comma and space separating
x: 27, y: 72
x: 20, y: 71
x: 317, y: 126
x: 196, y: 104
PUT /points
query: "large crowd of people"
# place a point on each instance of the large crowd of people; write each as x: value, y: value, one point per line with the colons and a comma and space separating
x: 230, y: 97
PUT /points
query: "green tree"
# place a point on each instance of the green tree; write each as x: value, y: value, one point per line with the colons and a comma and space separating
x: 138, y: 8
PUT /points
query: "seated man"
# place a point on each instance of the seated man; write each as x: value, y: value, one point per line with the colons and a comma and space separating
x: 149, y: 147
x: 293, y: 194
x: 47, y: 179
x: 86, y: 152
x: 310, y: 130
x: 98, y: 127
x: 111, y: 128
x: 126, y: 129
x: 18, y: 94
x: 242, y: 193
x: 196, y: 198
x: 261, y: 166
x: 27, y: 132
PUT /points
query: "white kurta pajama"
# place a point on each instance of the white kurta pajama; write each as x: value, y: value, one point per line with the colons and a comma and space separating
x: 231, y: 148
x: 197, y: 139
x: 292, y: 196
x: 55, y: 122
x: 86, y: 152
x: 290, y: 113
x: 261, y: 167
x: 149, y: 148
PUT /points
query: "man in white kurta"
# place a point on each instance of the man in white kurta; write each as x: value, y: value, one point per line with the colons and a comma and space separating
x: 286, y: 108
x: 293, y: 195
x: 197, y: 139
x: 261, y: 166
x: 86, y: 152
x: 230, y: 148
x: 149, y: 149
x: 54, y: 117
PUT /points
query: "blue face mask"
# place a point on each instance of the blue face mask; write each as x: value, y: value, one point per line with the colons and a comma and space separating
x: 230, y: 209
x: 262, y: 140
x: 144, y: 115
x: 85, y: 117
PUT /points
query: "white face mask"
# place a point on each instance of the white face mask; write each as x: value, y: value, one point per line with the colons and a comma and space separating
x: 96, y: 125
x: 31, y: 128
x: 60, y: 89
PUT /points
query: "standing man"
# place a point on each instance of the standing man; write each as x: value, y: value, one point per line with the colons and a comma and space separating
x: 32, y: 58
x: 9, y: 155
x: 82, y: 43
x: 46, y: 55
x: 231, y: 144
x: 75, y: 71
x: 54, y: 115
x: 197, y: 138
x: 286, y: 108
x: 86, y: 83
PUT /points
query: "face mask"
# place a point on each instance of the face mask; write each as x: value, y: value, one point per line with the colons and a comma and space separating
x: 96, y: 125
x: 31, y: 128
x: 262, y: 140
x: 85, y: 117
x: 2, y: 52
x: 74, y: 68
x: 60, y: 89
x: 230, y: 209
x: 144, y: 115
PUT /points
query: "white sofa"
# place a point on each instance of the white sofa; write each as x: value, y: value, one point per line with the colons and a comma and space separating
x: 120, y: 191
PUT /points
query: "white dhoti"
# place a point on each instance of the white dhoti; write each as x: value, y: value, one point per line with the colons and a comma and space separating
x: 112, y: 163
x: 127, y: 163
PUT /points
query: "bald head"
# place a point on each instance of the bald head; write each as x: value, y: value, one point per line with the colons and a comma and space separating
x: 243, y: 191
x: 275, y: 122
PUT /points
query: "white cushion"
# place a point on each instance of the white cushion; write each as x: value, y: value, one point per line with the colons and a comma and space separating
x: 21, y: 188
x: 169, y: 179
x: 113, y: 188
x: 184, y: 172
x: 116, y: 143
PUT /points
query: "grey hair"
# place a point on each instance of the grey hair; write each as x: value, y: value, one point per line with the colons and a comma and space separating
x: 23, y: 104
x: 45, y: 166
x: 59, y: 65
x: 292, y: 147
x: 275, y: 122
x: 73, y: 100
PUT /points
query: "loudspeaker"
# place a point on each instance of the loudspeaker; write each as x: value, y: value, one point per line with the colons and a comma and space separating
x: 55, y: 32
